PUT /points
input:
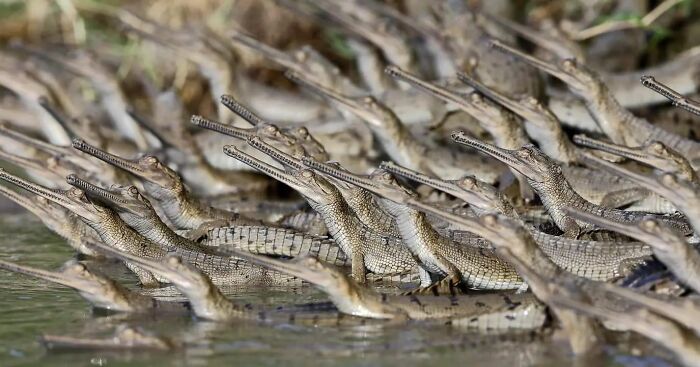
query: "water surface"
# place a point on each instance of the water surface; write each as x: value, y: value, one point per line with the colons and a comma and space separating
x: 29, y: 308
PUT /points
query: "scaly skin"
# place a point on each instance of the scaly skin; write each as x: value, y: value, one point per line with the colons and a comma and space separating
x: 682, y: 194
x: 100, y: 291
x: 360, y: 200
x: 380, y: 254
x: 504, y: 127
x: 595, y: 260
x: 654, y: 153
x: 114, y: 232
x: 59, y: 220
x: 398, y: 142
x: 475, y: 267
x: 676, y: 98
x: 650, y: 319
x: 136, y: 211
x: 671, y: 249
x: 545, y: 128
x: 620, y: 125
x: 353, y: 299
x: 514, y: 243
x: 547, y: 179
x: 181, y: 148
x: 276, y: 242
x: 165, y: 186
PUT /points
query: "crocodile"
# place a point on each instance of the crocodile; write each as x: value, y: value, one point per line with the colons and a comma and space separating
x: 136, y: 211
x: 289, y: 139
x: 654, y: 324
x: 481, y: 311
x: 595, y: 260
x: 671, y: 249
x: 513, y: 243
x: 304, y: 60
x: 371, y: 27
x: 59, y: 220
x: 398, y: 142
x: 545, y: 128
x: 546, y: 177
x: 113, y: 99
x: 115, y: 232
x: 654, y: 153
x: 124, y: 338
x: 166, y: 187
x: 360, y: 200
x: 183, y: 149
x: 208, y: 303
x: 676, y: 98
x: 504, y: 127
x: 46, y: 150
x: 468, y: 266
x: 100, y: 291
x: 30, y: 90
x: 682, y: 194
x: 368, y: 250
x: 619, y: 124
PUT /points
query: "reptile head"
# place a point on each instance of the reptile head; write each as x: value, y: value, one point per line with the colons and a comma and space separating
x: 578, y: 77
x: 528, y: 160
x: 100, y: 291
x: 367, y: 108
x: 653, y: 153
x: 527, y: 106
x: 148, y: 168
x: 123, y: 199
x: 668, y: 185
x: 74, y: 199
x: 306, y: 182
x: 325, y: 276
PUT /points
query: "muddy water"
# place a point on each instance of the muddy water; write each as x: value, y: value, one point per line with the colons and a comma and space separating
x: 30, y: 307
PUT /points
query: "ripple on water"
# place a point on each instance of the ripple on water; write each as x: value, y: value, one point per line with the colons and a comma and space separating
x: 31, y: 307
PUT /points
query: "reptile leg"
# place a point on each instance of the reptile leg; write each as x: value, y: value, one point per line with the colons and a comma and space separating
x: 449, y: 285
x: 202, y: 231
x: 359, y: 272
x: 146, y: 278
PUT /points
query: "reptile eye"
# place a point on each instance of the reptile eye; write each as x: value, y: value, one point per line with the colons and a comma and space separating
x: 302, y: 131
x: 41, y: 199
x: 569, y: 64
x: 302, y: 56
x: 307, y: 174
x: 657, y: 146
x: 475, y: 97
x: 668, y: 179
x: 386, y: 176
x: 489, y: 219
x: 368, y: 100
x: 133, y: 191
x: 271, y: 129
x: 78, y: 268
x: 151, y: 160
x: 533, y: 101
x: 174, y: 260
x: 469, y: 182
x: 77, y: 192
x: 523, y: 153
x: 649, y: 224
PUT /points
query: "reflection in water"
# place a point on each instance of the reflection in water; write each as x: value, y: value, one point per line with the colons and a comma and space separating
x: 33, y: 307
